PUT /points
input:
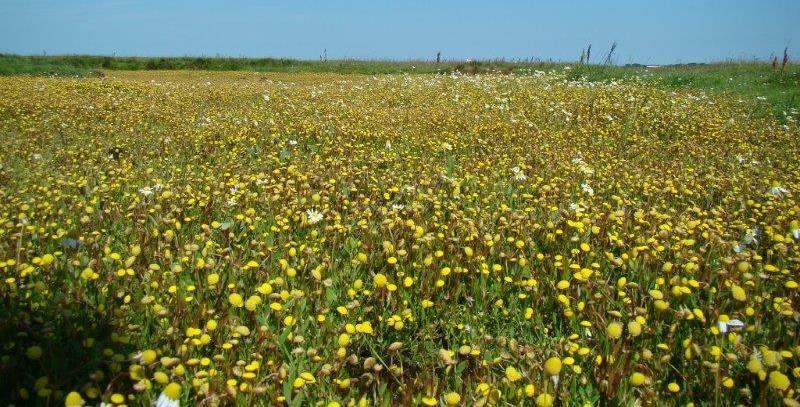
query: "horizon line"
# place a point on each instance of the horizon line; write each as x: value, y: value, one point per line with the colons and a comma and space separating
x: 529, y: 60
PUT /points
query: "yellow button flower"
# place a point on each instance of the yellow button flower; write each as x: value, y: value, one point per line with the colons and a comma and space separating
x: 452, y: 398
x: 512, y: 374
x: 614, y: 330
x: 552, y: 366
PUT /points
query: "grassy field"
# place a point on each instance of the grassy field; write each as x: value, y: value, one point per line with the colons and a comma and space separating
x: 772, y: 91
x: 85, y: 65
x: 335, y: 238
x: 775, y: 92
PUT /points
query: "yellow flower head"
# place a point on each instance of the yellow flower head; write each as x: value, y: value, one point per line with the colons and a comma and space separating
x: 779, y: 381
x: 552, y: 366
x: 614, y: 330
x: 545, y: 400
x: 74, y: 399
x: 637, y: 379
x: 512, y: 374
x: 452, y: 398
x: 379, y: 280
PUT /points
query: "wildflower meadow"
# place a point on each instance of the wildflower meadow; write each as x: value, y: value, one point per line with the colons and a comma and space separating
x: 238, y: 238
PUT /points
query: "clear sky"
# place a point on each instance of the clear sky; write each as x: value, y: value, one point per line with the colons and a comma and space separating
x: 657, y: 31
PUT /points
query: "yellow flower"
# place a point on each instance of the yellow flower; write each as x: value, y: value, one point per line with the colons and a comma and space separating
x: 552, y: 366
x: 754, y: 365
x: 778, y: 381
x: 772, y: 358
x: 738, y: 293
x: 149, y: 356
x: 74, y: 399
x: 160, y: 377
x: 212, y: 278
x: 727, y: 382
x: 364, y: 328
x: 530, y: 390
x: 452, y: 398
x: 252, y: 303
x: 46, y: 260
x: 512, y: 374
x: 173, y: 391
x: 673, y: 387
x: 308, y: 377
x: 344, y: 340
x: 343, y: 383
x: 236, y: 300
x: 634, y: 328
x: 265, y: 289
x: 614, y: 330
x: 379, y: 280
x: 637, y: 379
x: 545, y: 400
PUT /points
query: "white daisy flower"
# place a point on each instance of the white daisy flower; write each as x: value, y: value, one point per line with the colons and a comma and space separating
x: 575, y: 207
x: 778, y: 191
x: 519, y: 175
x: 314, y: 216
x: 750, y: 237
x: 733, y: 325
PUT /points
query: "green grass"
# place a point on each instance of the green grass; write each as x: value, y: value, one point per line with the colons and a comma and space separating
x: 86, y: 64
x: 770, y: 91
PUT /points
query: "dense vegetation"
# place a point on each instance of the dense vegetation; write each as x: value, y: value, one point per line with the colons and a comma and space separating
x: 774, y: 91
x: 324, y: 239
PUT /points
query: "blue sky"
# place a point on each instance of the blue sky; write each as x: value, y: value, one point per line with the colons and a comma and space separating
x: 647, y: 31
